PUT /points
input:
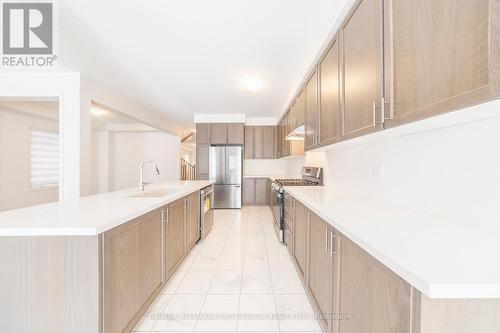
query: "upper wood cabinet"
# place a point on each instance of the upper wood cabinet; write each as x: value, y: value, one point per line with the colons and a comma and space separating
x: 362, y: 64
x: 377, y: 300
x: 260, y: 142
x: 202, y: 133
x: 311, y: 124
x: 292, y: 112
x: 329, y: 96
x: 269, y: 145
x: 218, y: 133
x: 249, y: 142
x: 445, y: 55
x: 235, y: 134
x: 300, y: 109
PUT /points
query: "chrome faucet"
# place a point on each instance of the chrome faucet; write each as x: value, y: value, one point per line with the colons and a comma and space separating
x: 141, y: 167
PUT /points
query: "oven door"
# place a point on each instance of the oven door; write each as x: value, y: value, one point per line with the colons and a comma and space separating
x: 277, y: 206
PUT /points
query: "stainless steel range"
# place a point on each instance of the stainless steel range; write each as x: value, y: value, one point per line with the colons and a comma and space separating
x: 310, y: 177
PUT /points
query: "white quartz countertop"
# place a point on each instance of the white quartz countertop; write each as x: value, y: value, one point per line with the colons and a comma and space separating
x: 90, y: 215
x: 442, y: 258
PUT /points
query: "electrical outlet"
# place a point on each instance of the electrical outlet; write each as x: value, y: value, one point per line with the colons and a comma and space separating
x: 378, y: 171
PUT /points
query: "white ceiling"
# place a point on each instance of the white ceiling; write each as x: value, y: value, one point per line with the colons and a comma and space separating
x: 186, y: 57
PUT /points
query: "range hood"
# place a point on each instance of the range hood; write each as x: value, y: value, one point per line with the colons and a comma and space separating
x: 297, y: 134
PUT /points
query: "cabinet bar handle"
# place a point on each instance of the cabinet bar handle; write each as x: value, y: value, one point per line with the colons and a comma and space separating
x: 164, y: 216
x: 332, y: 236
x: 326, y: 240
x: 382, y: 108
x: 374, y: 113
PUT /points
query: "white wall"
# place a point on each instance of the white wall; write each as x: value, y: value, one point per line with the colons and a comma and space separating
x: 64, y: 87
x: 116, y: 157
x: 451, y: 171
x: 94, y: 92
x: 15, y: 188
x: 264, y: 167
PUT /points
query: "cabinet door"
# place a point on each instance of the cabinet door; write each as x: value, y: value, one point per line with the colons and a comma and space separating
x: 311, y: 112
x: 131, y: 269
x: 329, y: 96
x: 300, y: 234
x: 377, y: 300
x: 276, y: 143
x: 249, y: 142
x: 218, y: 133
x: 286, y: 131
x: 248, y: 191
x: 268, y: 142
x: 362, y: 67
x: 193, y: 220
x: 235, y: 134
x: 445, y: 56
x: 258, y: 149
x: 300, y: 108
x: 261, y: 191
x: 292, y: 114
x: 202, y: 161
x: 203, y: 133
x: 321, y: 257
x: 174, y: 242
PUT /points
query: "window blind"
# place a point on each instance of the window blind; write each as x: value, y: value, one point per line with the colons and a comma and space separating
x: 44, y: 158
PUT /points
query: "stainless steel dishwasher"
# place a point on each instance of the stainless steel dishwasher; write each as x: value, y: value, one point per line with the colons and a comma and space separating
x: 206, y: 210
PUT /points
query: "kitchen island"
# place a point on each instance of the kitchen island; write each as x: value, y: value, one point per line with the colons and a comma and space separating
x: 96, y: 263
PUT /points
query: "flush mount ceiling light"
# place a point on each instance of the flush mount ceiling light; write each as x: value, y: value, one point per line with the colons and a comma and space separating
x: 98, y: 112
x: 252, y: 83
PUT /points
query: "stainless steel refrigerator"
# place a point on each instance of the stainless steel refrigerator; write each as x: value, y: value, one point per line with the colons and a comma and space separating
x: 225, y: 168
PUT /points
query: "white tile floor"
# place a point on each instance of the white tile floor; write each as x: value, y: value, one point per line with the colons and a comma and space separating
x: 240, y: 279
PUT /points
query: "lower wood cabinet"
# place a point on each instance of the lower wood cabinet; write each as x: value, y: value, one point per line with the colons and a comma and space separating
x: 256, y: 191
x: 174, y: 237
x: 375, y: 299
x: 322, y: 255
x: 261, y: 192
x: 350, y: 290
x: 248, y: 191
x: 131, y: 268
x: 300, y: 235
x: 192, y: 220
x: 289, y: 222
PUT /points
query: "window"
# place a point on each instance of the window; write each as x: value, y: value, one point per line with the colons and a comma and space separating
x: 44, y: 158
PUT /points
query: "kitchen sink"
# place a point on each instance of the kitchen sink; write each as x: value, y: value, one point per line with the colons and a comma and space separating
x: 158, y: 193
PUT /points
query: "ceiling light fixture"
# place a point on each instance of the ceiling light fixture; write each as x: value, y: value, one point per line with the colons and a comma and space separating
x: 98, y: 112
x: 252, y: 83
